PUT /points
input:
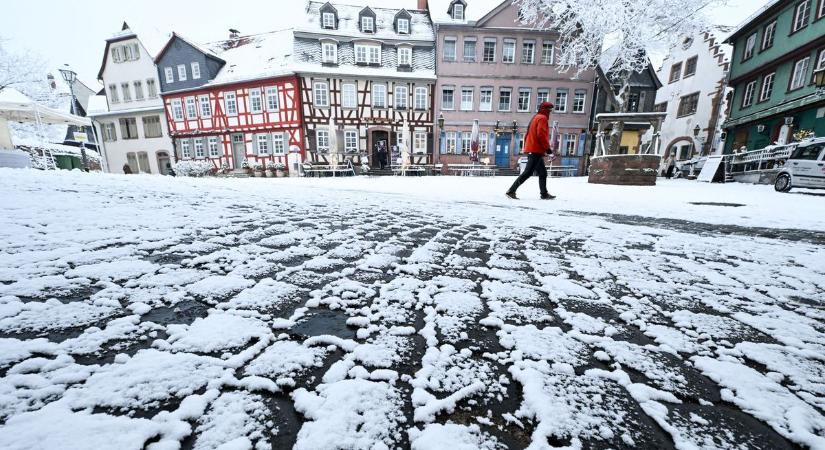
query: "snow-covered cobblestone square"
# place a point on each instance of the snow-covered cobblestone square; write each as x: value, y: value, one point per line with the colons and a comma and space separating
x: 162, y: 313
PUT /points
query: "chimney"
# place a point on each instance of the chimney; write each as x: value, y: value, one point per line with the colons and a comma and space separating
x: 422, y: 5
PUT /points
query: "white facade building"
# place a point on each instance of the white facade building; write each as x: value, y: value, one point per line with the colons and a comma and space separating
x: 694, y: 77
x: 131, y: 124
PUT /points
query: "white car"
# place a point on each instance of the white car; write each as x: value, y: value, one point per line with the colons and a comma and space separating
x: 805, y: 167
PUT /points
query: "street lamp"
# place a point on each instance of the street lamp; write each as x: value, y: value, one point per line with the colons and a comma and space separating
x: 819, y: 81
x: 70, y: 76
x: 441, y: 120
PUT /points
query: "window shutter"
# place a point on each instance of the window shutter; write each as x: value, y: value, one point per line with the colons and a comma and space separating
x: 136, y: 51
x: 255, y: 144
x: 311, y: 138
x: 442, y: 142
x: 269, y: 143
x: 339, y: 141
x: 429, y: 143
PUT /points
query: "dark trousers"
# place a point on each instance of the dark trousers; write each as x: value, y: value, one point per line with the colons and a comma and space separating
x: 535, y: 164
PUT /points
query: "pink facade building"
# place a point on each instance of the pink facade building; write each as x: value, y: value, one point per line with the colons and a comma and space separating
x: 492, y: 68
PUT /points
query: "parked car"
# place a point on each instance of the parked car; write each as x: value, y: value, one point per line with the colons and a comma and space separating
x: 805, y: 168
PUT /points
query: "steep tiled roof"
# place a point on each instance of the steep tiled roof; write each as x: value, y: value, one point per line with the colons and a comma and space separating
x: 421, y: 28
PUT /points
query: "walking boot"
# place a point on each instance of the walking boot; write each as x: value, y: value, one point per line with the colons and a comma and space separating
x: 547, y: 196
x: 512, y: 195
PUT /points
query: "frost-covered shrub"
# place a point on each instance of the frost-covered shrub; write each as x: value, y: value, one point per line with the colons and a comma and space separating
x: 194, y: 168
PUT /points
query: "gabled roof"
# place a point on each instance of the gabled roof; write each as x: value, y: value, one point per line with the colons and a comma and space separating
x: 421, y: 29
x: 206, y: 51
x: 152, y: 42
x: 253, y: 57
x: 474, y: 11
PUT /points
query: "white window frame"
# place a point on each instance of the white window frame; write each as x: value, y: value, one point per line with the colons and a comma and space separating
x: 401, y: 97
x: 571, y: 144
x: 458, y: 11
x: 230, y: 103
x: 170, y: 75
x: 799, y: 77
x: 420, y: 98
x: 750, y: 90
x: 177, y: 110
x: 379, y: 91
x: 542, y: 95
x: 450, y: 142
x: 805, y: 9
x: 403, y: 26
x: 419, y: 142
x: 200, y: 151
x: 820, y: 64
x: 769, y: 32
x: 509, y: 101
x: 552, y: 46
x: 485, y: 105
x: 322, y: 140
x: 484, y: 55
x: 329, y: 52
x: 272, y: 102
x: 444, y: 106
x: 561, y: 106
x: 750, y: 47
x: 278, y: 143
x: 404, y: 56
x: 469, y: 43
x: 579, y: 103
x: 351, y: 141
x: 466, y: 102
x: 256, y: 102
x: 532, y: 53
x: 452, y: 44
x: 328, y: 20
x: 367, y: 24
x: 185, y: 150
x: 483, y: 141
x: 191, y: 108
x: 521, y: 96
x: 181, y: 72
x: 375, y: 54
x: 320, y: 94
x: 262, y: 144
x: 466, y: 142
x: 196, y: 71
x: 214, y: 150
x: 206, y: 106
x: 766, y: 90
x: 508, y: 57
x: 349, y: 95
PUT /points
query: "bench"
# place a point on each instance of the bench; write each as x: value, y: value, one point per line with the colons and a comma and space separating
x: 320, y: 170
x: 483, y: 170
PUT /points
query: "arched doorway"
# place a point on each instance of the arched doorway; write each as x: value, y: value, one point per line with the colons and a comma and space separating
x: 164, y: 162
x: 681, y: 149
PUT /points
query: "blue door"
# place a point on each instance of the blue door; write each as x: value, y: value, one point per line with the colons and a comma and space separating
x: 503, y: 150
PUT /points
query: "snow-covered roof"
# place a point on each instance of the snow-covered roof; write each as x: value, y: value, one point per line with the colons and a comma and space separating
x: 97, y: 105
x: 473, y: 12
x: 151, y: 38
x: 201, y: 48
x: 747, y: 22
x: 253, y: 57
x: 421, y: 28
x: 54, y: 148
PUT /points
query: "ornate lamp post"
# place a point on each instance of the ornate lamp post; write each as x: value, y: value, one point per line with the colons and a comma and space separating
x: 819, y: 81
x: 441, y: 121
x: 70, y: 76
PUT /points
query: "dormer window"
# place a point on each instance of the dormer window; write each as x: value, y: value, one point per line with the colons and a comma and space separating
x: 367, y: 25
x: 458, y: 11
x: 329, y: 20
x: 403, y: 26
x: 329, y: 17
x: 329, y: 52
x: 404, y: 56
x: 367, y: 54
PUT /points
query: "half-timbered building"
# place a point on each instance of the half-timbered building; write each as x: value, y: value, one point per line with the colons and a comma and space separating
x: 235, y: 103
x: 366, y: 75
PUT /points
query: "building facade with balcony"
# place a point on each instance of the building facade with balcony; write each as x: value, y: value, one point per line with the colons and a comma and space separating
x: 493, y: 69
x: 131, y: 124
x: 776, y: 56
x: 366, y: 79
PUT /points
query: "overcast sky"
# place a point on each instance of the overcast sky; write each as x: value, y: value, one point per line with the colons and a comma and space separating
x: 74, y: 31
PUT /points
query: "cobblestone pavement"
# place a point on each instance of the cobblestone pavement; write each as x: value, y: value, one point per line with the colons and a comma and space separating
x: 138, y: 314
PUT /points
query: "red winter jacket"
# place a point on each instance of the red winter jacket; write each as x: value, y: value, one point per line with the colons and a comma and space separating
x: 538, y: 134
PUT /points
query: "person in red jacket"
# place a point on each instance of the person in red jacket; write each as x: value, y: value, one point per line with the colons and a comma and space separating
x: 536, y: 145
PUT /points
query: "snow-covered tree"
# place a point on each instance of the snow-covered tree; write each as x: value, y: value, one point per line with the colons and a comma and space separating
x: 18, y: 69
x: 627, y: 28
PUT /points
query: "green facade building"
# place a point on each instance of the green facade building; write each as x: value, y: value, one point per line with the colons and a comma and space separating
x: 775, y: 57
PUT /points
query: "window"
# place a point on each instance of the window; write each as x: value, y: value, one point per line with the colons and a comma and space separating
x: 199, y: 152
x: 504, y: 99
x: 170, y: 75
x: 820, y: 64
x: 420, y: 98
x: 404, y: 56
x: 329, y: 53
x: 561, y: 101
x: 675, y: 72
x: 138, y: 90
x: 449, y: 49
x: 214, y: 151
x: 809, y: 152
x: 151, y: 127
x: 350, y: 141
x: 419, y: 143
x: 255, y: 103
x: 458, y: 11
x: 109, y: 133
x: 800, y: 69
x: 768, y: 35
x: 509, y: 53
x: 191, y: 109
x: 524, y: 100
x: 450, y: 142
x: 767, y: 87
x: 328, y: 20
x: 660, y: 107
x: 127, y: 52
x: 447, y: 98
x: 128, y: 128
x: 322, y: 140
x: 467, y: 99
x: 403, y: 26
x: 379, y: 96
x: 182, y: 72
x: 690, y: 67
x: 113, y: 97
x: 401, y: 97
x: 633, y: 102
x: 127, y: 93
x: 483, y: 140
x: 367, y: 54
x: 688, y: 104
x: 177, y: 110
x: 469, y: 50
x: 151, y: 88
x: 117, y: 54
x: 348, y: 95
x: 750, y: 44
x: 579, y: 99
x: 801, y: 15
x: 263, y: 143
x: 747, y: 99
x: 230, y: 103
x: 184, y: 148
x: 206, y: 106
x: 542, y: 95
x: 489, y: 53
x: 367, y: 24
x: 321, y: 94
x: 375, y: 54
x: 528, y: 52
x: 466, y: 143
x: 278, y: 143
x: 547, y: 52
x: 272, y: 98
x: 485, y: 99
x: 821, y: 12
x: 571, y: 141
x: 196, y: 71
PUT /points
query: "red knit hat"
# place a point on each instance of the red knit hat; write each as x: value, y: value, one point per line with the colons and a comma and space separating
x: 546, y: 106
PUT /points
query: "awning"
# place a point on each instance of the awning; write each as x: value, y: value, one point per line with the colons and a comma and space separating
x: 16, y: 107
x: 774, y: 110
